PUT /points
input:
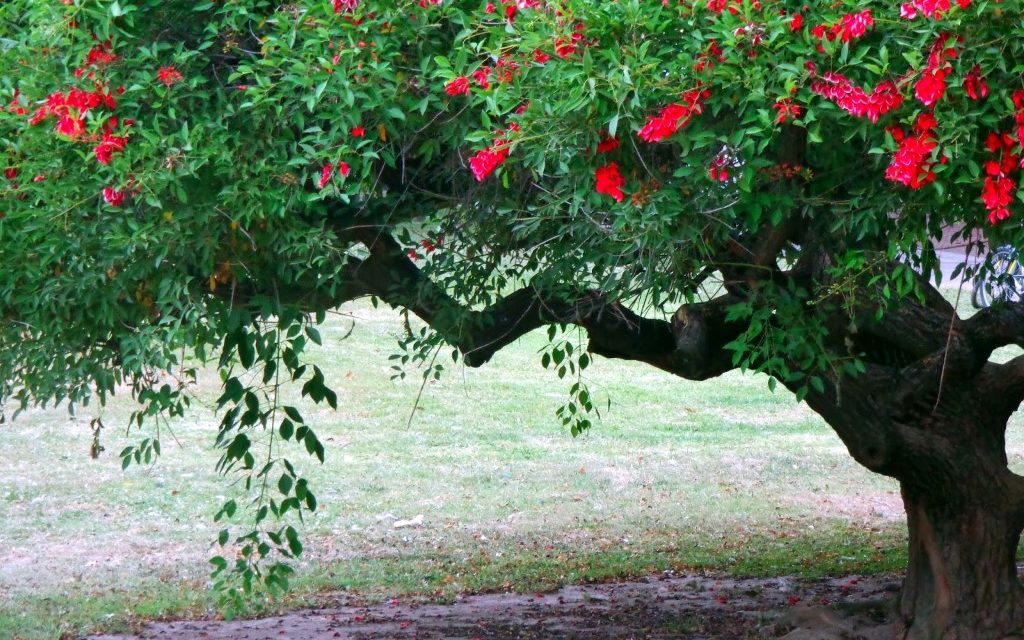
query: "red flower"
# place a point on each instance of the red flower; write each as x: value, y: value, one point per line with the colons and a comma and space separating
x: 610, y: 181
x: 911, y: 165
x: 357, y: 131
x: 343, y: 169
x: 346, y: 6
x: 908, y: 11
x: 99, y: 55
x: 673, y: 117
x: 70, y: 127
x: 458, y: 87
x: 540, y: 57
x: 487, y: 160
x: 113, y: 197
x: 564, y: 48
x: 325, y: 175
x: 786, y: 110
x: 169, y: 75
x: 481, y: 77
x: 856, y: 24
x: 10, y: 173
x: 931, y: 86
x: 796, y: 22
x: 883, y: 98
x: 975, y: 85
x: 925, y: 123
x: 930, y: 8
x: 108, y: 146
x: 607, y: 145
x: 997, y: 194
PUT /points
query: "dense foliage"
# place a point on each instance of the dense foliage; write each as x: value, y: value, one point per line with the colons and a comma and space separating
x: 211, y: 177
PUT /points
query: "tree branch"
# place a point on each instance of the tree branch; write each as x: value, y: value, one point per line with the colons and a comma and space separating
x: 996, y: 326
x: 691, y: 346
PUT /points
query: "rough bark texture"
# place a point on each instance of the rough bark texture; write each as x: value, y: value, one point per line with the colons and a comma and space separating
x: 961, y: 581
x: 941, y: 435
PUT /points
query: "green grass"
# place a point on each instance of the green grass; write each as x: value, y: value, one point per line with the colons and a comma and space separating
x: 722, y: 474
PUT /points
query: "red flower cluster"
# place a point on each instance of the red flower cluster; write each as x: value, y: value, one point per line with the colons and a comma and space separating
x: 675, y: 116
x: 912, y: 163
x: 512, y: 7
x: 609, y: 181
x: 485, y: 161
x: 71, y: 109
x: 786, y: 110
x: 1000, y: 183
x: 975, y: 85
x: 482, y: 77
x: 883, y: 98
x: 345, y: 6
x: 997, y: 192
x: 169, y: 75
x: 505, y: 70
x: 458, y: 87
x: 328, y: 169
x: 928, y: 8
x: 113, y: 197
x: 849, y: 27
x: 733, y: 6
x: 1018, y: 116
x: 856, y: 25
x: 98, y: 56
x: 109, y: 143
x: 931, y: 86
x: 429, y: 246
x: 567, y: 47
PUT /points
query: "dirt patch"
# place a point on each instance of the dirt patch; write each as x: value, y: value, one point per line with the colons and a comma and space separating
x: 664, y: 606
x: 878, y: 506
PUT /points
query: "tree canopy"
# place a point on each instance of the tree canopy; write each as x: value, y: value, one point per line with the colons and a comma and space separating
x: 701, y: 185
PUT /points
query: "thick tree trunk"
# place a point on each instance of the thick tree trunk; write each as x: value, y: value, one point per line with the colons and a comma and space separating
x: 961, y: 581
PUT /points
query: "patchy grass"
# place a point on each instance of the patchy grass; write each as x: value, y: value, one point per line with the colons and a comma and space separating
x: 723, y: 475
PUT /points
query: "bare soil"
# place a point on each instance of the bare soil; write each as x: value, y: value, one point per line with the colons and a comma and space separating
x: 668, y: 605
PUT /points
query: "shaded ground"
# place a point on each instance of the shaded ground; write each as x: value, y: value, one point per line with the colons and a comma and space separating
x: 664, y: 606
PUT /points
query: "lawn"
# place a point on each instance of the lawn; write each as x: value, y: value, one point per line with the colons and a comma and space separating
x: 723, y: 475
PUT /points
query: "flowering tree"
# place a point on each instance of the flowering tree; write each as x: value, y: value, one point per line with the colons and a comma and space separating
x: 701, y: 185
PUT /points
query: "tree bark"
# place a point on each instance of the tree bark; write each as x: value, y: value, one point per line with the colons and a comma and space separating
x: 961, y: 581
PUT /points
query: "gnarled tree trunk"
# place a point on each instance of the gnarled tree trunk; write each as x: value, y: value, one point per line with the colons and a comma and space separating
x: 942, y: 437
x: 961, y: 581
